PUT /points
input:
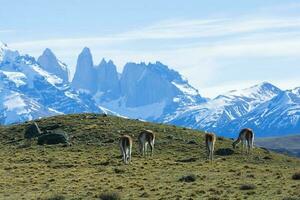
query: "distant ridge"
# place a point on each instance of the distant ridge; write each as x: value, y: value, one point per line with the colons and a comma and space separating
x: 289, y: 144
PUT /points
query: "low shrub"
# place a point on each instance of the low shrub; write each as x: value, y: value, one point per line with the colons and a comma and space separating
x: 224, y: 152
x: 267, y: 158
x: 290, y: 198
x: 192, y: 142
x: 296, y: 176
x: 247, y: 187
x: 188, y: 178
x: 187, y: 160
x: 119, y: 171
x: 55, y: 197
x: 110, y: 196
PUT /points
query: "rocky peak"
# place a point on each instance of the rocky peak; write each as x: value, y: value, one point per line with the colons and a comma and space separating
x: 50, y: 63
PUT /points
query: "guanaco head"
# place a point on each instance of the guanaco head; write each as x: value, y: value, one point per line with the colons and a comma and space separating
x: 234, y: 145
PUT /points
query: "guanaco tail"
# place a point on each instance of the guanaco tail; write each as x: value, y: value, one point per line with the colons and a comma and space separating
x: 126, y: 147
x: 210, y: 140
x: 246, y: 136
x: 145, y: 138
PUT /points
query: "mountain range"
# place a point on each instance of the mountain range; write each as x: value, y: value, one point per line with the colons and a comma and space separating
x: 31, y: 89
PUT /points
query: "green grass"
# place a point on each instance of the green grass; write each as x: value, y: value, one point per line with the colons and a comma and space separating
x: 92, y: 166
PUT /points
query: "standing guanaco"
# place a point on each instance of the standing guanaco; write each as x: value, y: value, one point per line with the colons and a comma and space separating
x: 246, y: 136
x: 145, y: 138
x: 126, y: 147
x: 210, y: 140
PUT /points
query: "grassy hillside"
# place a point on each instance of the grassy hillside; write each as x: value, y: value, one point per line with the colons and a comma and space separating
x: 179, y: 170
x: 288, y: 144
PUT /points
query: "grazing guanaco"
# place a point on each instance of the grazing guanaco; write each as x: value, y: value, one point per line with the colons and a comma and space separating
x: 246, y: 136
x: 126, y: 147
x: 210, y: 140
x: 145, y: 138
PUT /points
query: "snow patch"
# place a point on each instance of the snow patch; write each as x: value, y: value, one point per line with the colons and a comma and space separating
x: 6, y: 54
x: 55, y: 111
x: 186, y: 89
x: 151, y: 111
x: 52, y: 79
x: 17, y: 77
x: 72, y: 95
x: 15, y: 102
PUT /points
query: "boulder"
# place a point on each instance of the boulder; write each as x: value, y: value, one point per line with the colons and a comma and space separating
x: 32, y: 131
x: 48, y: 127
x: 53, y: 137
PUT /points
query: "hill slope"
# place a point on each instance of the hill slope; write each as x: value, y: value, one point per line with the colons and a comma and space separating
x: 288, y: 144
x: 92, y: 165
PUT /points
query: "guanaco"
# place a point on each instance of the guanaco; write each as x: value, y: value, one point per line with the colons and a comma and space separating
x: 246, y: 136
x: 126, y: 147
x: 145, y: 138
x: 210, y: 140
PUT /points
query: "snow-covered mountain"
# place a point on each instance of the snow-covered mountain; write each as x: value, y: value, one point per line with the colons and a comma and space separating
x: 278, y: 116
x: 16, y: 107
x: 50, y: 63
x: 31, y: 89
x: 108, y: 85
x: 152, y: 92
x: 264, y: 108
x: 85, y: 75
x: 27, y: 91
x: 147, y: 91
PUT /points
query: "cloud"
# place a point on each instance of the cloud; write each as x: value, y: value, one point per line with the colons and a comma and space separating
x: 254, y: 47
x: 183, y: 29
x: 6, y: 31
x: 288, y: 84
x: 206, y: 37
x: 197, y: 47
x: 281, y: 8
x: 214, y: 91
x: 177, y: 29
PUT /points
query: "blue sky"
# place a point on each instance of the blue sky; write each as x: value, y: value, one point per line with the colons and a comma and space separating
x: 217, y: 45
